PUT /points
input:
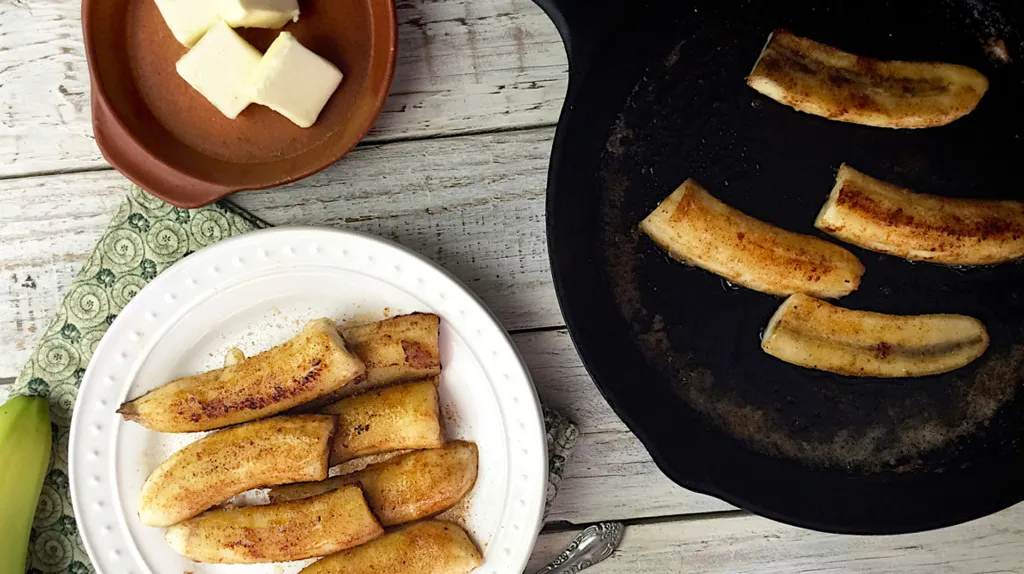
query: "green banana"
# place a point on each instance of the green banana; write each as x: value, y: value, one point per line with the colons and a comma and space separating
x: 24, y: 456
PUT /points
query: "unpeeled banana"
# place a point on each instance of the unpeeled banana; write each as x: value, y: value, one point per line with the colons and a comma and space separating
x: 24, y: 456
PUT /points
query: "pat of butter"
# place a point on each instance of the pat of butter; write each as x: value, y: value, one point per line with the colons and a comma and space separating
x: 294, y: 81
x: 220, y: 67
x: 258, y: 13
x: 188, y: 19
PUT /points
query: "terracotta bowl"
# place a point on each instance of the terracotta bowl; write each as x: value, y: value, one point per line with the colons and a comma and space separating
x: 163, y: 135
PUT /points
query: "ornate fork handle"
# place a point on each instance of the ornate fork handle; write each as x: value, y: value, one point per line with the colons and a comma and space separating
x: 591, y: 546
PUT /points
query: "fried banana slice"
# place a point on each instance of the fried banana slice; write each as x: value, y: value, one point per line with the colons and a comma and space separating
x: 307, y: 528
x: 824, y: 81
x: 883, y: 217
x: 274, y: 451
x: 395, y: 350
x: 312, y: 364
x: 695, y: 228
x: 405, y: 488
x: 401, y: 417
x: 431, y: 547
x: 817, y: 335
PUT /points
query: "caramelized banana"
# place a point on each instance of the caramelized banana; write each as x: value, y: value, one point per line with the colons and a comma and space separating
x: 274, y: 451
x: 395, y: 350
x: 310, y: 365
x: 825, y: 81
x: 817, y: 335
x: 883, y: 217
x: 402, y: 417
x: 306, y: 528
x: 431, y: 547
x: 696, y: 228
x: 405, y: 488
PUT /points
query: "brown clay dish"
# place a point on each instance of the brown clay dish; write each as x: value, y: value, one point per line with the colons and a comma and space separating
x: 164, y: 136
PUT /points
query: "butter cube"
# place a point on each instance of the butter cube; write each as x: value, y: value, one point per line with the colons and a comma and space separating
x: 188, y: 19
x: 258, y: 13
x: 294, y: 81
x: 220, y: 67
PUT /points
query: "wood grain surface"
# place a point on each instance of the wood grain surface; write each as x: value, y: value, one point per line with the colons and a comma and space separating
x: 455, y: 169
x: 738, y: 543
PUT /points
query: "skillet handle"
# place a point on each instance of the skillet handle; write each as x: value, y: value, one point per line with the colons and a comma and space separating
x: 585, y: 26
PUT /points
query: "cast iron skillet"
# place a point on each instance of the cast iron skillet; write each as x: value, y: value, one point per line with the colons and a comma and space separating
x: 657, y: 94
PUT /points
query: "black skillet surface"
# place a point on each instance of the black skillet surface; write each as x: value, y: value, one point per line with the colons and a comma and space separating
x: 676, y: 351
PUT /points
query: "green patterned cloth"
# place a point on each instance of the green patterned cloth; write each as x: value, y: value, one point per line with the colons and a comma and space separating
x: 145, y: 237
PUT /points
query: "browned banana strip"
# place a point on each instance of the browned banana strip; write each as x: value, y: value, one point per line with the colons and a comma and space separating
x: 695, y: 228
x: 274, y: 451
x: 886, y: 218
x: 307, y: 528
x: 312, y: 364
x: 825, y: 81
x: 405, y: 488
x: 400, y: 417
x: 431, y: 547
x: 817, y: 335
x: 395, y: 350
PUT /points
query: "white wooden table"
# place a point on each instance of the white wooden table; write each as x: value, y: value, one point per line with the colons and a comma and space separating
x: 455, y: 169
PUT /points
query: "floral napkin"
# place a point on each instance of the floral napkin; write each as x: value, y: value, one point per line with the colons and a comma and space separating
x: 145, y: 237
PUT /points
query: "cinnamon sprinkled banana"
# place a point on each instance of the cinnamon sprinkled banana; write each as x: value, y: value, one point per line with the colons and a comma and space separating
x: 825, y: 81
x: 395, y: 350
x: 817, y: 335
x: 883, y: 217
x: 429, y: 547
x: 405, y: 488
x: 698, y: 229
x: 400, y: 417
x: 273, y: 451
x: 306, y: 528
x: 312, y: 364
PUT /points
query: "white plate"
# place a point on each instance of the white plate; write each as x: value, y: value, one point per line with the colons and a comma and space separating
x: 255, y: 291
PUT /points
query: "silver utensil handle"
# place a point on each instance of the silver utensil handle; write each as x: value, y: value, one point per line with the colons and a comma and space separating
x: 591, y: 546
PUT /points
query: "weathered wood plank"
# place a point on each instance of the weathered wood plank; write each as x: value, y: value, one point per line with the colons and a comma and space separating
x: 44, y: 102
x: 745, y: 544
x: 463, y: 66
